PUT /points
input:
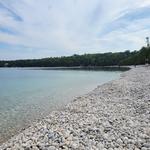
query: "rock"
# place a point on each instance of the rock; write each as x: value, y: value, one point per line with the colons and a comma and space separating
x: 100, y: 146
x: 144, y: 148
x: 51, y: 148
x: 119, y: 141
x: 147, y: 145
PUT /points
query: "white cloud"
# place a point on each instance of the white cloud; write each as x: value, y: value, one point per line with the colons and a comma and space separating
x: 73, y: 26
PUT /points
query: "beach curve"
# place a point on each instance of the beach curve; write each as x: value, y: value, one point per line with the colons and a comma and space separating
x: 113, y: 116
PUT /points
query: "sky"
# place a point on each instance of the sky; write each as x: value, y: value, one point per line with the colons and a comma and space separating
x: 49, y: 28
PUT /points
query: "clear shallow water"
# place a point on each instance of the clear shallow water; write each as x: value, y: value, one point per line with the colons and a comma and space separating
x: 28, y: 95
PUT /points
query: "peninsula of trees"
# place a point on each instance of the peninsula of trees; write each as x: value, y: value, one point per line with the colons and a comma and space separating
x: 102, y: 59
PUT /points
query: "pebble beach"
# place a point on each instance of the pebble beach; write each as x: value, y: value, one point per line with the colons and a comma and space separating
x: 114, y: 116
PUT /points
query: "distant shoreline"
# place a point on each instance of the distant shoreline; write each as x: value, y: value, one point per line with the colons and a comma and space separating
x: 109, y: 68
x: 125, y: 58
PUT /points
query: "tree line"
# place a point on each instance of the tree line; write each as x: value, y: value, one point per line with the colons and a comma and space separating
x: 103, y: 59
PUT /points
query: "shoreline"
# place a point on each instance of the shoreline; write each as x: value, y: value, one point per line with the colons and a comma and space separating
x: 101, y: 68
x: 114, y: 115
x: 13, y: 126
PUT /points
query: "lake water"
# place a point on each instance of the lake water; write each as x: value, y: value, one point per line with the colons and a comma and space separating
x: 27, y: 95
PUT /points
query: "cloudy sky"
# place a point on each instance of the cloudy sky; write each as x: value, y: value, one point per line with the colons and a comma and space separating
x: 43, y: 28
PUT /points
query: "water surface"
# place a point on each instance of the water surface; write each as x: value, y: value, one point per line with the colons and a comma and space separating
x: 27, y: 95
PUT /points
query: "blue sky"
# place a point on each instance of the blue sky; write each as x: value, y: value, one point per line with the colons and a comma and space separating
x: 43, y: 28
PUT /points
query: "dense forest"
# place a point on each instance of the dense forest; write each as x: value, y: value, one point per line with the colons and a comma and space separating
x: 103, y: 59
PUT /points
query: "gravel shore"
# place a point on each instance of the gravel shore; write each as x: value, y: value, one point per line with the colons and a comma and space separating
x: 114, y: 116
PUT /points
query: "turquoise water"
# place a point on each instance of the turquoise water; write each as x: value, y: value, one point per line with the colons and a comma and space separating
x: 27, y: 95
